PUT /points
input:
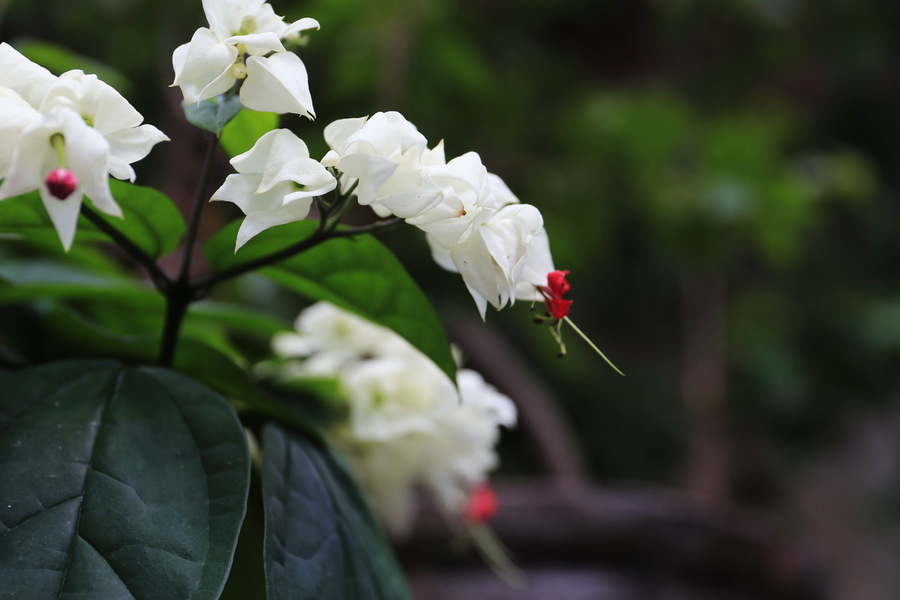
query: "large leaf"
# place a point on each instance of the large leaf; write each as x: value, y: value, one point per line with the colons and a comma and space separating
x: 358, y: 274
x: 49, y: 331
x: 151, y: 220
x: 125, y: 483
x: 321, y: 541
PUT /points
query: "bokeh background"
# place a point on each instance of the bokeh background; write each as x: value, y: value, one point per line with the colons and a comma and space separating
x: 720, y: 178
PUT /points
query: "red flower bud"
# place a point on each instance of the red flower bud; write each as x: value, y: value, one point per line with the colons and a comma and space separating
x: 61, y: 183
x: 553, y: 292
x: 482, y: 504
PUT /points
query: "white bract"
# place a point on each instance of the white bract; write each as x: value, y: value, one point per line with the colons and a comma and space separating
x: 384, y: 156
x: 74, y: 121
x: 275, y: 183
x: 391, y: 387
x: 492, y: 257
x: 481, y: 231
x: 109, y: 114
x: 408, y: 426
x: 244, y: 43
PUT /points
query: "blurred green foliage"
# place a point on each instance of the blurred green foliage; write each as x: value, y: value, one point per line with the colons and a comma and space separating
x: 752, y: 138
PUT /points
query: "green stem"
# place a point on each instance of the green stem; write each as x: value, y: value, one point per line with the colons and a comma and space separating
x: 317, y: 237
x: 160, y: 279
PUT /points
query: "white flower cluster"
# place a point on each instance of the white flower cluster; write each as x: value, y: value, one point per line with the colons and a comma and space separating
x: 474, y: 224
x: 243, y: 43
x: 75, y: 122
x: 409, y: 426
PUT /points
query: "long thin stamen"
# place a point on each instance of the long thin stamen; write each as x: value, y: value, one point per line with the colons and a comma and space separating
x: 592, y: 345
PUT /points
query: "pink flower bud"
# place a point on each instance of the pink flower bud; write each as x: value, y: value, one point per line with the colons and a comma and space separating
x: 61, y: 183
x: 482, y: 504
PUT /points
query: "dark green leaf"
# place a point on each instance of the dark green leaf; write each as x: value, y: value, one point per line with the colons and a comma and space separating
x: 127, y: 483
x: 213, y: 114
x: 358, y: 274
x: 151, y: 220
x: 50, y: 331
x: 245, y: 129
x: 321, y: 540
x: 26, y: 279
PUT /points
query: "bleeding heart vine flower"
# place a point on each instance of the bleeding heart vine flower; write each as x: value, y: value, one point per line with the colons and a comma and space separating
x: 275, y: 183
x: 243, y: 44
x: 408, y: 427
x: 384, y: 157
x: 64, y: 136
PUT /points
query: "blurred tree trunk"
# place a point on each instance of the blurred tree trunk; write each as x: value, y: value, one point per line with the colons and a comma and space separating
x: 703, y: 385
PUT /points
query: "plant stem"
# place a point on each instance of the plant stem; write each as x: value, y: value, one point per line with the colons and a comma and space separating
x: 197, y: 208
x: 181, y: 292
x: 317, y: 237
x: 160, y: 279
x: 177, y: 301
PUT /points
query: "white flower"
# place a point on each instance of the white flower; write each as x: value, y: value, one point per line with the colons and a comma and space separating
x: 275, y: 183
x: 409, y: 427
x: 464, y: 192
x: 243, y: 42
x: 86, y: 153
x: 395, y: 395
x: 492, y: 257
x: 385, y: 154
x: 111, y: 115
x: 75, y: 122
x: 448, y: 460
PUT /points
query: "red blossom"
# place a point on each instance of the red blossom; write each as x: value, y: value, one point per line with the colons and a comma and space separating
x: 482, y: 504
x: 61, y: 183
x: 553, y: 292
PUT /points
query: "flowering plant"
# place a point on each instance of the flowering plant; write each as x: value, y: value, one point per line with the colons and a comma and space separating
x: 133, y: 411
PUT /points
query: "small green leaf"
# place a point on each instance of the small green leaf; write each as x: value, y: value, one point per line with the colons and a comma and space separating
x: 213, y: 114
x: 358, y: 274
x: 321, y: 542
x: 118, y: 482
x: 245, y: 129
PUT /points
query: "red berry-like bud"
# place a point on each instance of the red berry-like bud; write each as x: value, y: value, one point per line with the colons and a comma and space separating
x: 61, y: 183
x: 553, y: 292
x: 482, y: 504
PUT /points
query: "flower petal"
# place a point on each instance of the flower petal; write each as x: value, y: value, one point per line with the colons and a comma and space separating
x: 277, y: 84
x: 28, y: 79
x: 203, y: 66
x: 225, y: 16
x: 257, y: 44
x: 130, y: 145
x: 300, y: 25
x: 63, y: 214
